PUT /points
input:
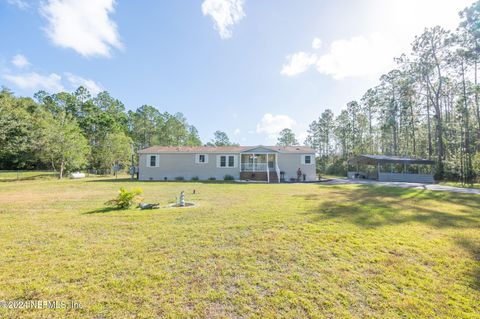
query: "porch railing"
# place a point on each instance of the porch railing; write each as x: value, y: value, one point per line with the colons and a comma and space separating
x: 256, y: 167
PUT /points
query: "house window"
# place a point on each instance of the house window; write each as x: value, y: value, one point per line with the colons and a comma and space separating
x: 223, y: 161
x: 226, y: 161
x: 308, y: 159
x: 201, y: 158
x: 153, y: 160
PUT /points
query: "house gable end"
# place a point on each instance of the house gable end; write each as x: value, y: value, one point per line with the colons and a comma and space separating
x: 259, y: 150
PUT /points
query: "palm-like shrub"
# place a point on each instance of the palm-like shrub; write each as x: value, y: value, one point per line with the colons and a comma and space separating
x: 125, y: 199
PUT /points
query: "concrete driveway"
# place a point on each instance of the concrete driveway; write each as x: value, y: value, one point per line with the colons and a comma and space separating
x: 433, y: 187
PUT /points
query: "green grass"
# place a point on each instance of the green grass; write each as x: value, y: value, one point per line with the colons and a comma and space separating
x: 332, y: 176
x: 245, y: 250
x: 459, y: 184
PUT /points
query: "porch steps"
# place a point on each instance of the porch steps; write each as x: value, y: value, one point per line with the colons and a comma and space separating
x: 259, y: 176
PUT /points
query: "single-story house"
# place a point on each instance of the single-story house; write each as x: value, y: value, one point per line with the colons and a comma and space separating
x: 260, y: 163
x: 391, y: 168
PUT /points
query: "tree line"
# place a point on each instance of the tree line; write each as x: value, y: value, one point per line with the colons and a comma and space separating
x: 72, y: 131
x: 428, y: 106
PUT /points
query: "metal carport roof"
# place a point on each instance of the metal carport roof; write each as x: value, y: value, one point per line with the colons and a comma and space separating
x: 376, y: 159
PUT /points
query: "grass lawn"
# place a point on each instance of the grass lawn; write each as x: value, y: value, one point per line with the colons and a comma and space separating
x: 246, y: 250
x: 459, y: 184
x: 332, y: 176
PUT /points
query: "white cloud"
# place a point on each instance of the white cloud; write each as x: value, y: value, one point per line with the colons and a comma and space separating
x: 390, y: 16
x: 34, y: 81
x: 225, y: 14
x: 20, y: 61
x: 354, y: 57
x: 53, y: 83
x: 273, y: 124
x: 76, y: 81
x: 316, y: 43
x: 358, y: 56
x: 298, y: 63
x: 21, y: 4
x: 82, y: 25
x: 301, y: 136
x: 236, y: 132
x: 372, y: 53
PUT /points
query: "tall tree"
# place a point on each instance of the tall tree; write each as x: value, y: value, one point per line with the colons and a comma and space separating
x: 145, y: 125
x: 17, y: 131
x: 430, y: 50
x: 116, y: 149
x: 62, y: 143
x: 220, y: 139
x: 286, y: 138
x: 470, y: 29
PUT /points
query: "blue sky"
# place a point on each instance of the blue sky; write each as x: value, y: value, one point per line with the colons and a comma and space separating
x: 249, y: 68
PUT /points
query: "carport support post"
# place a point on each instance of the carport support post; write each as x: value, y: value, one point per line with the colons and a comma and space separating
x: 404, y: 168
x: 378, y: 170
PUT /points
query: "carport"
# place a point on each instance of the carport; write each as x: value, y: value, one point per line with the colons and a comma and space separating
x: 391, y: 168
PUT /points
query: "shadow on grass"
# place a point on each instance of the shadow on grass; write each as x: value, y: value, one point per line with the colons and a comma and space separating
x: 129, y: 180
x: 373, y: 206
x: 113, y: 180
x: 44, y: 176
x: 102, y: 210
x: 473, y: 248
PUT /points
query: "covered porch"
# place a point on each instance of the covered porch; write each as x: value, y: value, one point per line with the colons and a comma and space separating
x: 391, y: 169
x: 259, y: 164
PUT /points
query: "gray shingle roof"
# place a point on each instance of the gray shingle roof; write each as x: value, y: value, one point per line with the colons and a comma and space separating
x: 224, y: 149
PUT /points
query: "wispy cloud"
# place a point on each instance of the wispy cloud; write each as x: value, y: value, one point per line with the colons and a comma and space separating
x: 298, y: 63
x: 225, y: 14
x: 301, y: 136
x: 76, y: 81
x: 20, y: 61
x: 358, y: 56
x: 21, y: 4
x: 34, y: 81
x: 82, y: 25
x: 316, y: 43
x: 272, y: 124
x: 353, y: 57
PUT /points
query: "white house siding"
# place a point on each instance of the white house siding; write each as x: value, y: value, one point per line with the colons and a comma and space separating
x: 183, y: 165
x: 291, y: 162
x: 172, y: 165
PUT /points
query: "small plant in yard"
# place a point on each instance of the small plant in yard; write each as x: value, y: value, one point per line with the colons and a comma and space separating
x: 228, y: 178
x: 179, y: 178
x: 125, y: 198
